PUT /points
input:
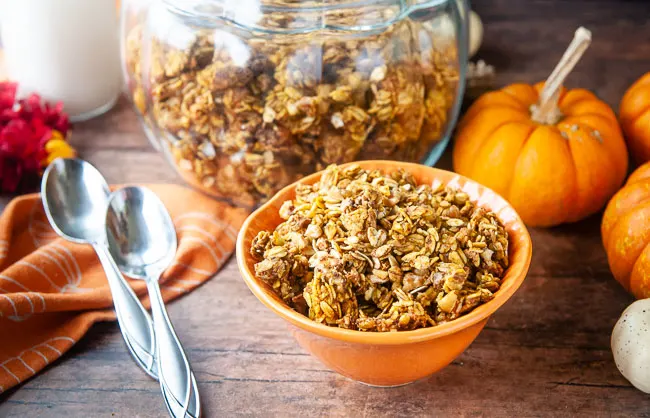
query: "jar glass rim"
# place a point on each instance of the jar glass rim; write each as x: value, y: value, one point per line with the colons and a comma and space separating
x: 246, y: 14
x: 303, y: 6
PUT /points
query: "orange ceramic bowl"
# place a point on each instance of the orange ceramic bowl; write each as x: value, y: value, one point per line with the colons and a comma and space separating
x: 391, y: 358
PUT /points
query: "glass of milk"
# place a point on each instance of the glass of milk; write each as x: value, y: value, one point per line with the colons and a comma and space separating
x: 64, y: 50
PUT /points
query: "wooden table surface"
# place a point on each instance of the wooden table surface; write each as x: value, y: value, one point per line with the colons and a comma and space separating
x: 546, y: 352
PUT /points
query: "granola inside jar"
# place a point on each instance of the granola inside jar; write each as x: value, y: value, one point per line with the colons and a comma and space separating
x: 245, y: 97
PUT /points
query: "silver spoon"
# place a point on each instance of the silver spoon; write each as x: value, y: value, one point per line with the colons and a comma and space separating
x: 75, y: 198
x: 142, y: 240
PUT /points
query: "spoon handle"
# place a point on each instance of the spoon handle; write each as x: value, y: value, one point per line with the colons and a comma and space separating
x: 176, y: 408
x: 135, y: 323
x: 177, y: 380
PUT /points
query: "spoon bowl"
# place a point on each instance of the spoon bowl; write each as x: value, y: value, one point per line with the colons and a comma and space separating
x: 75, y: 196
x: 140, y: 233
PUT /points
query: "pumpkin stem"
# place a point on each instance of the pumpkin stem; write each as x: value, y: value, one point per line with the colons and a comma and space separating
x: 547, y: 111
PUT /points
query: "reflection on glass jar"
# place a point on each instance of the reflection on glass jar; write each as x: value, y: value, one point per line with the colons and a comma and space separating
x: 246, y: 97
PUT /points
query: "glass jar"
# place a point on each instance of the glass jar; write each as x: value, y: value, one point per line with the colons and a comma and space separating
x: 247, y: 96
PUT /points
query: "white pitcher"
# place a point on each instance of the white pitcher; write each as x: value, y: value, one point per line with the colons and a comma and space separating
x: 64, y: 50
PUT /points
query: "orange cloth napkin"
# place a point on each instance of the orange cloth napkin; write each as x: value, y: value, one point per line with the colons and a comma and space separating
x: 52, y: 291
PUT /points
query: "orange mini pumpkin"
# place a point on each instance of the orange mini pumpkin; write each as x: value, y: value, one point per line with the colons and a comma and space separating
x: 626, y: 233
x: 634, y: 113
x: 556, y: 155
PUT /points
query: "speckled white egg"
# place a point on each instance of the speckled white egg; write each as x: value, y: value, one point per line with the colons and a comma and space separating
x: 446, y: 27
x: 475, y: 33
x: 631, y: 344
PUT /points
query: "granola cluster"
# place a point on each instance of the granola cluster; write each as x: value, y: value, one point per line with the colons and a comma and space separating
x: 244, y: 117
x: 374, y: 252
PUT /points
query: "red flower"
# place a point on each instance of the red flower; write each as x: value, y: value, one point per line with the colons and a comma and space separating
x: 18, y: 156
x: 25, y: 128
x: 7, y: 94
x: 31, y: 109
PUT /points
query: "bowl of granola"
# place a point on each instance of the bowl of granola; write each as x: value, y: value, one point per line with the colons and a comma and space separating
x: 385, y: 271
x: 246, y: 97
